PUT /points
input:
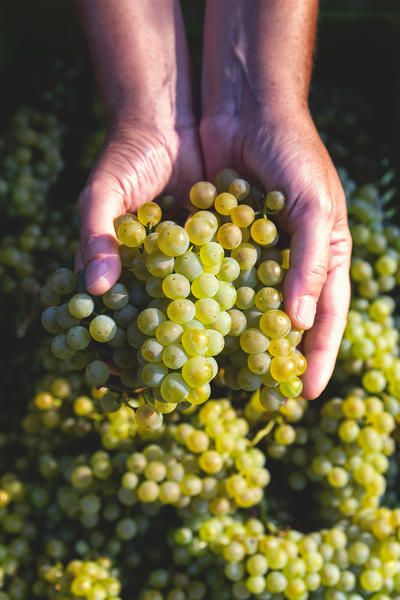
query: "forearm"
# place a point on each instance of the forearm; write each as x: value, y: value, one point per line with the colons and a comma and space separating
x: 258, y: 55
x: 140, y: 56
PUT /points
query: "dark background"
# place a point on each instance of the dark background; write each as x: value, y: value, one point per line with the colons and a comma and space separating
x: 358, y: 49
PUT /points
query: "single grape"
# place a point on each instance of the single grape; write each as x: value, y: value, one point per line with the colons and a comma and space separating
x: 263, y: 232
x: 229, y: 269
x: 275, y: 201
x: 173, y: 240
x: 195, y: 341
x: 117, y: 297
x: 149, y: 214
x: 174, y: 356
x: 205, y: 286
x: 246, y: 256
x: 211, y: 253
x: 275, y: 323
x: 102, y: 328
x: 81, y: 306
x: 240, y: 188
x: 149, y: 320
x: 189, y: 265
x: 197, y: 371
x: 78, y: 338
x: 181, y: 311
x: 229, y: 236
x: 200, y: 231
x: 242, y: 215
x: 174, y: 388
x: 97, y: 373
x: 169, y: 332
x: 203, y: 194
x: 131, y: 234
x: 224, y: 203
x: 159, y: 264
x: 176, y: 286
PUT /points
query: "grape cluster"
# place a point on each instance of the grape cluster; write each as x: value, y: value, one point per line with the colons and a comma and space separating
x: 221, y: 296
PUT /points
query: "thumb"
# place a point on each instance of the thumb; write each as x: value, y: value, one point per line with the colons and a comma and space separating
x: 310, y: 227
x: 98, y: 207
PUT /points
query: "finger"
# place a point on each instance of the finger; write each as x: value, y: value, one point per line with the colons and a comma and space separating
x: 309, y: 258
x: 98, y: 208
x: 321, y: 343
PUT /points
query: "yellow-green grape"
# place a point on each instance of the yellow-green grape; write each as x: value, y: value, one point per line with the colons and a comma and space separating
x: 64, y: 318
x: 200, y: 231
x: 173, y: 240
x: 81, y: 306
x: 294, y: 336
x: 275, y: 201
x: 164, y: 408
x: 150, y: 244
x: 216, y: 342
x: 148, y: 418
x: 248, y: 381
x: 149, y: 320
x: 245, y: 255
x: 225, y: 296
x: 195, y: 341
x: 169, y: 332
x: 204, y: 286
x: 139, y: 267
x: 270, y: 273
x: 240, y: 188
x: 174, y: 388
x: 181, y: 311
x: 285, y: 254
x: 374, y: 381
x: 197, y: 371
x: 60, y: 348
x: 238, y: 322
x: 149, y: 214
x: 283, y: 368
x: 102, y: 328
x: 279, y: 347
x: 203, y: 194
x: 300, y: 361
x: 152, y: 350
x: 275, y: 323
x: 63, y: 281
x: 263, y: 232
x: 117, y: 297
x: 159, y: 264
x: 271, y: 399
x: 199, y: 395
x: 242, y: 215
x: 211, y: 253
x: 267, y: 298
x: 78, y: 338
x: 207, y: 310
x: 148, y: 491
x: 222, y: 323
x: 127, y: 255
x: 259, y: 363
x: 188, y: 265
x: 253, y: 341
x: 123, y: 219
x: 175, y: 286
x: 97, y: 373
x: 292, y: 388
x: 224, y: 203
x: 224, y: 179
x: 131, y: 234
x: 229, y: 236
x: 152, y: 374
x: 229, y: 269
x: 245, y: 297
x: 174, y: 356
x: 209, y: 216
x: 193, y: 324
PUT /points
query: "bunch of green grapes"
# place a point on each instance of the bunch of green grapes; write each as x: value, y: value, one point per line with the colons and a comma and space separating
x: 91, y: 579
x: 221, y: 295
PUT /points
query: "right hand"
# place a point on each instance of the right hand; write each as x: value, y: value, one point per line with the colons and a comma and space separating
x: 137, y: 163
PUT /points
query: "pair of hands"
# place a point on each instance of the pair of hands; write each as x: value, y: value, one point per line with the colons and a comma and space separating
x: 279, y: 147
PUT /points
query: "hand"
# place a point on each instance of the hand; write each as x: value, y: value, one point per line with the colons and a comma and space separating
x: 137, y: 163
x: 285, y: 152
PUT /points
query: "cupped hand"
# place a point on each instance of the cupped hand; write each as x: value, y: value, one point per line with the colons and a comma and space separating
x: 138, y: 162
x: 285, y: 152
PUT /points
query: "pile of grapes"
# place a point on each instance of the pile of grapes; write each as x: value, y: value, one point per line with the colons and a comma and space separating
x: 159, y: 447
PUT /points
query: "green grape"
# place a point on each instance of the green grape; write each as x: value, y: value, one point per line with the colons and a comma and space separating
x: 253, y: 341
x: 224, y: 203
x: 200, y: 231
x: 263, y: 232
x: 173, y: 240
x: 283, y: 368
x: 238, y: 322
x: 259, y: 363
x: 207, y: 310
x: 240, y: 188
x: 224, y: 178
x: 154, y: 287
x: 216, y: 342
x: 149, y: 320
x: 152, y: 374
x: 125, y: 316
x: 63, y: 281
x: 292, y: 388
x: 203, y: 194
x: 181, y: 311
x: 78, y: 338
x: 229, y: 236
x: 49, y: 320
x: 60, y: 347
x: 152, y: 350
x: 279, y: 347
x: 225, y: 296
x: 81, y: 306
x: 149, y: 214
x: 169, y: 332
x: 102, y: 328
x: 246, y: 255
x: 195, y: 341
x: 242, y: 215
x: 275, y: 201
x: 64, y: 318
x: 189, y: 265
x: 222, y: 323
x: 148, y: 418
x: 270, y: 273
x: 267, y: 298
x: 204, y: 286
x: 245, y: 297
x: 150, y: 244
x: 159, y: 264
x: 174, y: 356
x: 131, y: 234
x: 271, y: 399
x: 174, y: 388
x: 117, y: 297
x: 229, y: 269
x: 275, y: 323
x: 197, y: 371
x: 211, y: 253
x: 97, y: 373
x: 139, y: 267
x: 248, y: 380
x: 176, y: 286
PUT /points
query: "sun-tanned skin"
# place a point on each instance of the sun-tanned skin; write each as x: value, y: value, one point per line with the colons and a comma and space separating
x: 257, y: 62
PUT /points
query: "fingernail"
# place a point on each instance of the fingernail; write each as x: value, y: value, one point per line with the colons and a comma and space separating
x: 95, y: 271
x: 305, y: 312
